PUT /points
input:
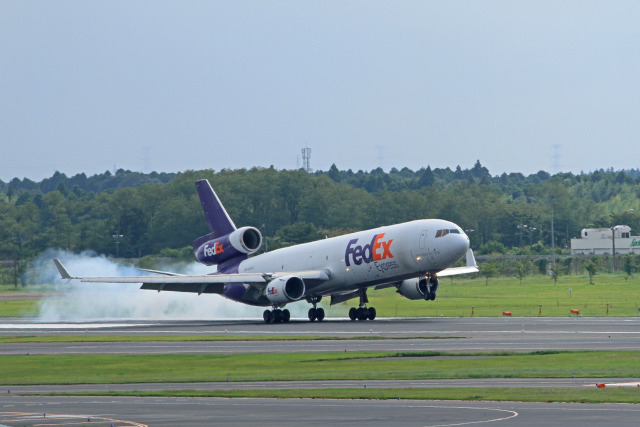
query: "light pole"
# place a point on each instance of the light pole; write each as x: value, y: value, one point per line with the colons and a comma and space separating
x: 117, y: 237
x: 521, y: 227
x: 531, y: 230
x: 613, y: 247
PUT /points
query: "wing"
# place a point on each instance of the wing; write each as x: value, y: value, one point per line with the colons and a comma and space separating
x: 471, y: 267
x: 210, y: 283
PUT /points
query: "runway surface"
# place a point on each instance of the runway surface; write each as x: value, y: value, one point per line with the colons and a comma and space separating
x: 424, y: 334
x: 132, y: 411
x: 445, y: 334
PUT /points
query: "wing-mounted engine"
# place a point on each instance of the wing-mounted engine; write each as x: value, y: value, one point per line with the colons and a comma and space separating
x: 241, y: 242
x: 284, y: 289
x: 419, y: 288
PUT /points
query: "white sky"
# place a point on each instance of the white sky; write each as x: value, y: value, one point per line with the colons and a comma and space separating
x: 169, y: 86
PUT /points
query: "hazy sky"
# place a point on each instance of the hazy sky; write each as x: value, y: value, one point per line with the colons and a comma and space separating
x: 175, y: 85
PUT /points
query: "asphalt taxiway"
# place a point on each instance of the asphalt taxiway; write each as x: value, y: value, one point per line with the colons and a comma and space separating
x: 132, y: 411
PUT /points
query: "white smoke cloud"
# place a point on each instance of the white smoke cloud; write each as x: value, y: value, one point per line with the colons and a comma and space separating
x: 80, y: 302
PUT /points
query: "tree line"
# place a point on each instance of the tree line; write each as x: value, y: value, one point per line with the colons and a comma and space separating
x: 131, y: 215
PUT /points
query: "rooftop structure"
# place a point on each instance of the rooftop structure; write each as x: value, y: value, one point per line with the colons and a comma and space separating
x: 602, y: 241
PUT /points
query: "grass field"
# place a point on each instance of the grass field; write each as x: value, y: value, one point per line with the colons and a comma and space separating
x: 537, y: 295
x: 107, y: 369
x: 611, y: 295
x: 19, y: 308
x: 578, y: 395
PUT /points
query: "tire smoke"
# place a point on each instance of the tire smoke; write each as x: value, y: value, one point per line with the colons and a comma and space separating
x: 73, y: 301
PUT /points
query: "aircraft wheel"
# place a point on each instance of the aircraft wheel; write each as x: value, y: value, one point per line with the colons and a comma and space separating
x: 286, y: 315
x: 320, y: 314
x: 362, y: 313
x: 353, y: 313
x: 277, y: 316
x: 371, y: 313
x: 267, y: 316
x: 312, y: 314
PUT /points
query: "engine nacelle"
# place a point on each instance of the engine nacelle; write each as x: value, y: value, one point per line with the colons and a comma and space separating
x: 413, y: 288
x: 419, y: 288
x: 284, y: 289
x: 243, y: 241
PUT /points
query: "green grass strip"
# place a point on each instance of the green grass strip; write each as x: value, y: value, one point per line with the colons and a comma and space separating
x: 577, y: 395
x: 106, y: 369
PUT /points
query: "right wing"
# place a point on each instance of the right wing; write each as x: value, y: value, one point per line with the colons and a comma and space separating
x: 471, y: 267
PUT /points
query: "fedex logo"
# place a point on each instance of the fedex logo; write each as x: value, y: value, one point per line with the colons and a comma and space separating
x: 272, y: 290
x: 377, y: 250
x: 216, y: 249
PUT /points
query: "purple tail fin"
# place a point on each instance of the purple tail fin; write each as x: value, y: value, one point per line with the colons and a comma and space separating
x: 217, y: 217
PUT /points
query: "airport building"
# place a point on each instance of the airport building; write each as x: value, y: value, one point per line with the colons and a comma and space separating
x: 602, y: 241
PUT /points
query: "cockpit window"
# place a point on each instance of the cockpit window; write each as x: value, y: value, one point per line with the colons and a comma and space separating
x: 444, y: 232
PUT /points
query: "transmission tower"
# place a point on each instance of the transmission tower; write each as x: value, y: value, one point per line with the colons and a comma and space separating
x: 306, y: 159
x: 556, y: 157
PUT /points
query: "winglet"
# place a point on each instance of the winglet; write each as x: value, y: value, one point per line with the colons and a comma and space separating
x: 63, y: 271
x: 471, y: 260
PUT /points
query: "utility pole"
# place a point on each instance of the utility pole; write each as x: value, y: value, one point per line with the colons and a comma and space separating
x: 553, y: 240
x: 613, y: 248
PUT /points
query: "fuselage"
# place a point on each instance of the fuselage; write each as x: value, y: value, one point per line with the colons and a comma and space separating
x: 382, y: 255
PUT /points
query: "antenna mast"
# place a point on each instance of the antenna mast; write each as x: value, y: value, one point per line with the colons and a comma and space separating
x: 306, y: 159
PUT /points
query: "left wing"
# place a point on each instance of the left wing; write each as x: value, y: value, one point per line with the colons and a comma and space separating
x: 210, y: 283
x: 471, y: 267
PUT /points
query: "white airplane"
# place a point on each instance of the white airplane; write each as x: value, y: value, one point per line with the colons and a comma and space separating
x: 408, y: 256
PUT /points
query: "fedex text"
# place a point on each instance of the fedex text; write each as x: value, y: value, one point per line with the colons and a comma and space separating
x: 377, y: 250
x: 216, y: 249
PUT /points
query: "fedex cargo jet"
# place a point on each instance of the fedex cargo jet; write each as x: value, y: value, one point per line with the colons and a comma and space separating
x: 410, y: 257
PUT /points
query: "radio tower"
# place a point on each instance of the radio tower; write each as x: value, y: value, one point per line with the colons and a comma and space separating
x: 555, y: 157
x: 306, y: 159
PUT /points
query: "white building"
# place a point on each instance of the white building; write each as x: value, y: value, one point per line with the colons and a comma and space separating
x: 601, y: 241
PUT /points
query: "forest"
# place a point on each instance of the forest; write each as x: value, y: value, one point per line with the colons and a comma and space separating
x: 134, y: 215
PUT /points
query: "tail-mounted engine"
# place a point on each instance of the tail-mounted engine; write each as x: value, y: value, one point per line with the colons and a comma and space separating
x: 419, y: 288
x: 241, y: 242
x: 284, y: 289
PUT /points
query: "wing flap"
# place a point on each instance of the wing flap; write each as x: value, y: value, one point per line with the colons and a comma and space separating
x: 206, y: 279
x: 211, y: 288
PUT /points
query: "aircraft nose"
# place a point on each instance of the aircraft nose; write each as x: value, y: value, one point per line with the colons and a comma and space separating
x: 462, y: 244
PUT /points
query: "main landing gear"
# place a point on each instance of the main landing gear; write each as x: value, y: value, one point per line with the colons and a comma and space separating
x: 315, y: 313
x: 362, y: 312
x: 276, y: 316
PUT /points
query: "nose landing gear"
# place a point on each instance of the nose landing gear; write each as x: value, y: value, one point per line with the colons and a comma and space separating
x: 432, y: 288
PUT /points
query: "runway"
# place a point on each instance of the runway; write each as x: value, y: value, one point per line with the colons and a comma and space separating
x: 424, y: 334
x: 428, y: 334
